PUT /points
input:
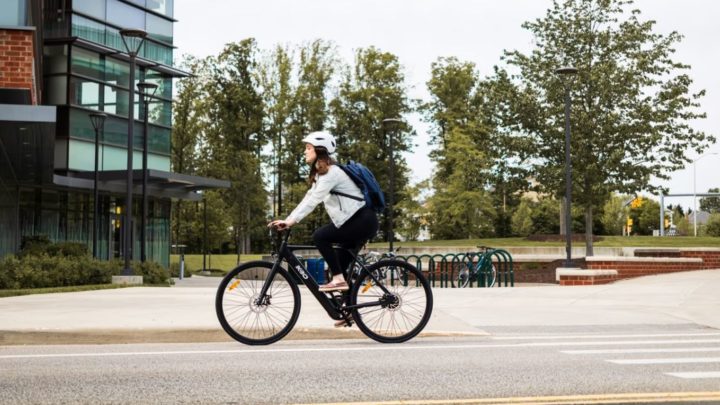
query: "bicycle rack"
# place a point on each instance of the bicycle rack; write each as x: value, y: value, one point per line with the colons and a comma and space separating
x: 439, y: 267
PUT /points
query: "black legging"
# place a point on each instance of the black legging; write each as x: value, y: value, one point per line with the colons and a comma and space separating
x: 362, y: 226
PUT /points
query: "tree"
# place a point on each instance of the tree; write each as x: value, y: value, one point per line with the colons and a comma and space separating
x: 632, y: 102
x: 275, y: 83
x: 412, y: 205
x: 461, y: 101
x: 188, y: 126
x: 615, y: 214
x: 711, y: 204
x: 522, y: 219
x: 645, y: 216
x: 712, y: 227
x: 372, y: 90
x: 234, y: 139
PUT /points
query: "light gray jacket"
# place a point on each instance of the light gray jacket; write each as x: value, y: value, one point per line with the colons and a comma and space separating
x: 338, y: 207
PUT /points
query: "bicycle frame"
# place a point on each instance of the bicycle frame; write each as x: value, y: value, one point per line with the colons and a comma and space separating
x: 332, y: 307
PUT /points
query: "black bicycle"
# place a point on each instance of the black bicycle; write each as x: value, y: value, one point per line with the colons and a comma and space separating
x: 258, y: 303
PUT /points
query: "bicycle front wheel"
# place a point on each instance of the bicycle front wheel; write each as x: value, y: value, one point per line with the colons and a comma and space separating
x: 249, y: 318
x: 399, y: 314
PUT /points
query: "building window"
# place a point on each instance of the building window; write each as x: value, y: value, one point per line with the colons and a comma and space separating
x: 92, y: 8
x: 124, y: 15
x: 13, y: 13
x: 88, y: 29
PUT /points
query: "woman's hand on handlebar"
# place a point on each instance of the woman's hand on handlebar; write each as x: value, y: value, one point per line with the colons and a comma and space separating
x: 281, y: 225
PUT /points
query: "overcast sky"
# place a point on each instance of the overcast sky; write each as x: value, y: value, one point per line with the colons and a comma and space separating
x: 420, y: 31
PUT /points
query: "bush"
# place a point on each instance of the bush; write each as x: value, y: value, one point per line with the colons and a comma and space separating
x: 37, y: 245
x: 175, y: 270
x: 41, y: 270
x: 712, y: 227
x: 153, y: 273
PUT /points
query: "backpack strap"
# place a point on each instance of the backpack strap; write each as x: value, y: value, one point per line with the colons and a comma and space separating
x: 356, y: 198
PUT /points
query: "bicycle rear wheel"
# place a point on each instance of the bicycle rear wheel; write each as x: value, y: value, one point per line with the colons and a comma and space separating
x: 401, y: 314
x: 460, y: 277
x: 250, y: 319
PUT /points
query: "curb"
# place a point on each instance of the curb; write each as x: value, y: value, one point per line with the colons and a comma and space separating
x: 130, y: 336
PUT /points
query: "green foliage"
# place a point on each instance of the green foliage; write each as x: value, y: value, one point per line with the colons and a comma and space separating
x: 175, y: 270
x: 467, y: 124
x: 546, y: 216
x: 415, y: 215
x: 632, y: 104
x: 646, y: 217
x: 372, y: 90
x: 38, y: 271
x: 153, y: 273
x: 711, y: 204
x: 614, y: 214
x: 522, y: 223
x: 712, y: 227
x: 42, y: 265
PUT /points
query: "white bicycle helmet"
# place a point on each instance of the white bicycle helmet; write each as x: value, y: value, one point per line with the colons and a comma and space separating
x: 321, y: 138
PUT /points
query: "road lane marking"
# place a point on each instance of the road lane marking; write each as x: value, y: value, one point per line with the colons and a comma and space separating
x: 393, y: 348
x: 696, y: 374
x: 678, y: 360
x: 560, y: 400
x: 549, y: 337
x: 631, y: 351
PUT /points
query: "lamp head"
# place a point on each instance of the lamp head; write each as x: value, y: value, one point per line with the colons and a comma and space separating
x: 133, y: 39
x: 147, y: 88
x: 97, y: 120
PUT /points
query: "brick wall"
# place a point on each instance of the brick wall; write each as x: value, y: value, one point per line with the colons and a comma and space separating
x: 635, y: 267
x: 16, y: 61
x: 711, y: 258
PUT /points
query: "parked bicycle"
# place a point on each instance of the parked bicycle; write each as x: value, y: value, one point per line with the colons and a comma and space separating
x: 484, y: 272
x: 258, y: 303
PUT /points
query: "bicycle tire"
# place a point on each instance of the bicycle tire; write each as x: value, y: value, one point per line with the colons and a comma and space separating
x: 492, y: 277
x: 259, y: 324
x: 406, y: 299
x: 460, y: 275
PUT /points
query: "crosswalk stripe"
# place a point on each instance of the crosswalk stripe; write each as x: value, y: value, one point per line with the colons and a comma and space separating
x: 696, y: 374
x: 624, y: 336
x: 678, y: 360
x: 631, y: 351
x: 370, y: 348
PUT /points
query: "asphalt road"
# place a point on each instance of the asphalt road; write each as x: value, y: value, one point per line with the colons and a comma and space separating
x: 512, y: 362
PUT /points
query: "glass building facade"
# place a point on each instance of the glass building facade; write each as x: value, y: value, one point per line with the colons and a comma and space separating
x: 47, y: 165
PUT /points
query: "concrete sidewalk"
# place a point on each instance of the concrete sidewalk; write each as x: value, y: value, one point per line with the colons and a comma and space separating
x: 676, y: 298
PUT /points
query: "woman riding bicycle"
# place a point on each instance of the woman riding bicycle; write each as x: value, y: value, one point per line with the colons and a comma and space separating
x: 352, y: 222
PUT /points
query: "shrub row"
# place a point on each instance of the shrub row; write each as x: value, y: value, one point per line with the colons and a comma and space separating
x: 41, y: 271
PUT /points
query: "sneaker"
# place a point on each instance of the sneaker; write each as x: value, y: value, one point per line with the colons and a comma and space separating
x: 333, y: 286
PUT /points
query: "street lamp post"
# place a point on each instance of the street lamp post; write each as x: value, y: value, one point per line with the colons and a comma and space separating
x: 146, y: 90
x: 132, y: 39
x: 391, y: 196
x: 695, y: 192
x: 98, y: 123
x: 564, y: 72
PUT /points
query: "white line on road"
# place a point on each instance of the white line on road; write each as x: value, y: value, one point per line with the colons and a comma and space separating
x: 630, y: 351
x: 363, y: 349
x: 549, y: 337
x: 678, y: 360
x: 696, y: 374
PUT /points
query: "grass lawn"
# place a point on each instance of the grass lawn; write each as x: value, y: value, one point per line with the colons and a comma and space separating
x: 227, y: 262
x: 74, y: 288
x: 223, y: 262
x: 608, y: 241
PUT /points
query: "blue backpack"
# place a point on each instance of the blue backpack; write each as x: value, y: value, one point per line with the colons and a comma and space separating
x: 364, y: 179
